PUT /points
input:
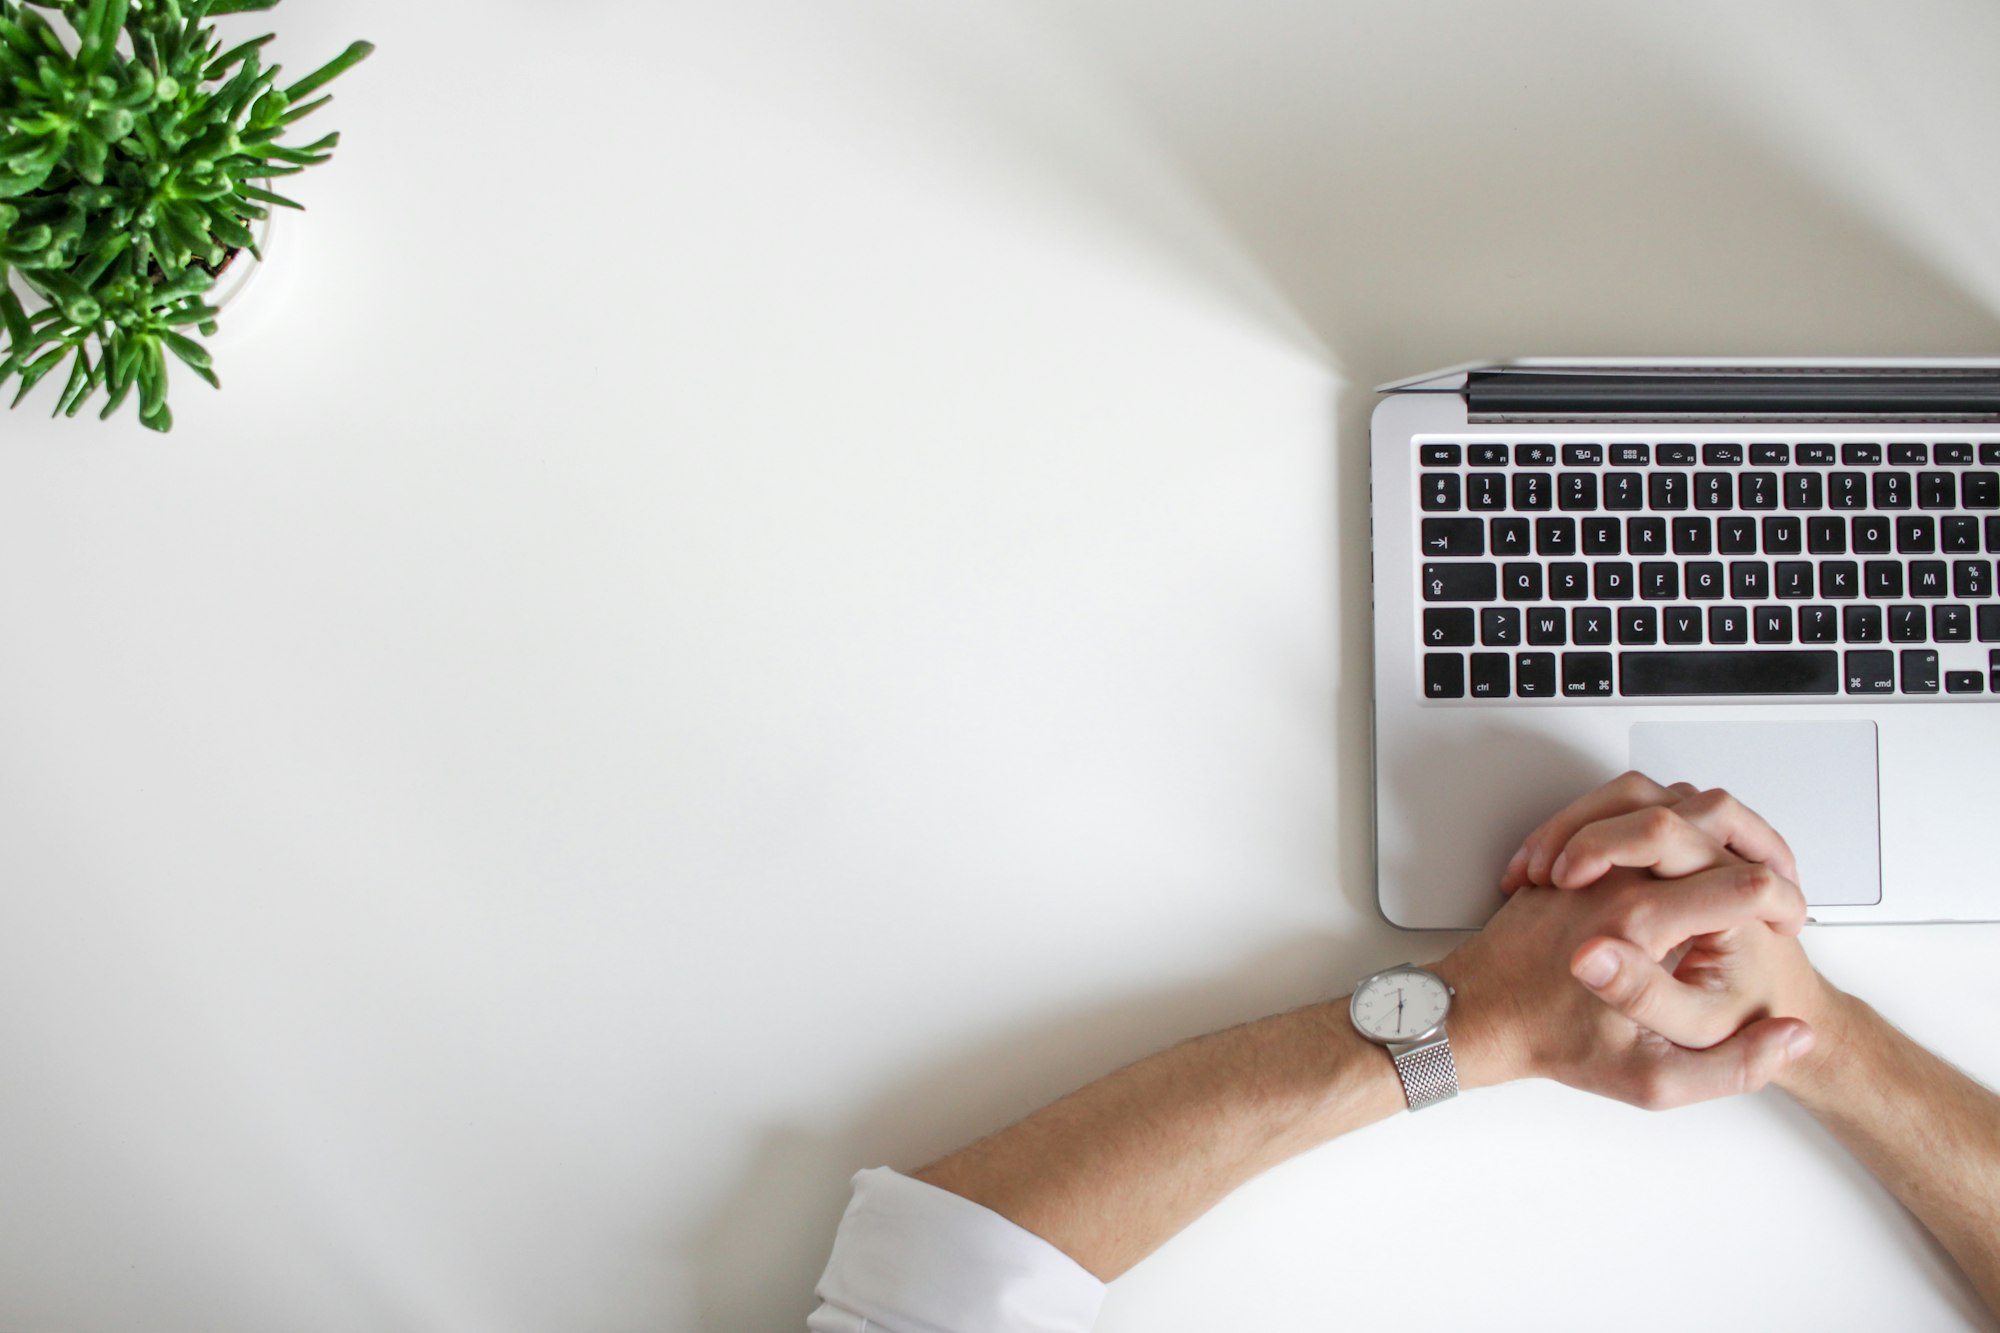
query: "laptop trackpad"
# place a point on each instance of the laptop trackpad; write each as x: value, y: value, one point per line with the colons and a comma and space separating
x: 1815, y: 782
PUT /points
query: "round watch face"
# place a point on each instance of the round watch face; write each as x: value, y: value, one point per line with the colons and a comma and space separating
x: 1401, y: 1004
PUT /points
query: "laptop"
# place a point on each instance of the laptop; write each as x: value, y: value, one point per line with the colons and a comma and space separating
x: 1774, y: 576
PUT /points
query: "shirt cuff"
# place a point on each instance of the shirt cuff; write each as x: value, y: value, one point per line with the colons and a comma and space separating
x: 912, y: 1258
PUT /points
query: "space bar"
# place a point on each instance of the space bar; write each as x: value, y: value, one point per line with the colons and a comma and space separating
x: 1753, y: 671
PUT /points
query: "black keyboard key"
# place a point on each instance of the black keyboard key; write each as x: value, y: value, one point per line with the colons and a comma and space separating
x: 1783, y: 536
x: 1907, y: 454
x: 1681, y: 624
x: 1638, y: 624
x: 1920, y: 670
x: 1675, y: 455
x: 1816, y: 455
x: 1486, y: 492
x: 1500, y: 626
x: 1961, y: 532
x: 1590, y: 626
x: 1705, y: 579
x: 1749, y: 580
x: 1891, y: 490
x: 1534, y: 455
x: 1463, y: 581
x: 1534, y: 491
x: 1613, y: 582
x: 1861, y: 455
x: 1803, y: 490
x: 1521, y: 581
x: 1601, y: 537
x: 1757, y: 490
x: 1847, y: 490
x: 1583, y: 455
x: 1646, y: 536
x: 1535, y: 675
x: 1586, y: 675
x: 1555, y: 536
x: 1722, y: 455
x: 1447, y: 626
x: 1963, y: 682
x: 1772, y: 624
x: 1839, y: 578
x: 1659, y: 580
x: 1993, y: 535
x: 1906, y: 624
x: 1937, y: 490
x: 1631, y: 455
x: 1489, y: 675
x: 1440, y: 492
x: 1693, y: 536
x: 1770, y: 455
x: 1951, y: 622
x: 1548, y: 627
x: 1870, y: 671
x: 1818, y: 624
x: 1989, y: 454
x: 1576, y: 490
x: 1980, y: 490
x: 1861, y: 624
x: 1569, y: 581
x: 1444, y: 675
x: 1666, y: 490
x: 1736, y: 536
x: 1952, y: 455
x: 1729, y: 624
x: 1826, y: 536
x: 1487, y: 455
x: 1713, y: 490
x: 1453, y: 536
x: 1916, y: 534
x: 1510, y: 536
x: 1438, y: 455
x: 1882, y: 579
x: 1989, y: 624
x: 1751, y: 671
x: 1624, y: 490
x: 1972, y: 579
x: 1927, y: 578
x: 1871, y: 534
x: 1795, y: 578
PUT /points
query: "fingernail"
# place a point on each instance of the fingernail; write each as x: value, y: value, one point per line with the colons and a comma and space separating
x: 1596, y: 968
x: 1801, y: 1042
x: 1556, y: 870
x: 1516, y: 862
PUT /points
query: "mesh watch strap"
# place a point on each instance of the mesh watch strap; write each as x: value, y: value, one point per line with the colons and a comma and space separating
x: 1428, y: 1074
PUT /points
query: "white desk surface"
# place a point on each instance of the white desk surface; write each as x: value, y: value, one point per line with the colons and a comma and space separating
x: 777, y: 583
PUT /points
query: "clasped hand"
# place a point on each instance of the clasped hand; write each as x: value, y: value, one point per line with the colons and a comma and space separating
x: 1648, y: 951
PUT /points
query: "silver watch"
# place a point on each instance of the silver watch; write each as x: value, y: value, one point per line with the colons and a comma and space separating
x: 1404, y: 1008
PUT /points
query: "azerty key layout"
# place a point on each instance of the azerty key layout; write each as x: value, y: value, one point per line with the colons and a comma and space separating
x: 1670, y: 569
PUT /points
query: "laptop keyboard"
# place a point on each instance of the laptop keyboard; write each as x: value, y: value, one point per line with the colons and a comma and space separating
x: 1824, y: 569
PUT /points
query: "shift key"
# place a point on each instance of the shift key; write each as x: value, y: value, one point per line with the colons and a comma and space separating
x: 1461, y: 581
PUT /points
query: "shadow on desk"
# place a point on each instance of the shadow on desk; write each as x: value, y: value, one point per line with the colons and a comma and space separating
x: 755, y: 1262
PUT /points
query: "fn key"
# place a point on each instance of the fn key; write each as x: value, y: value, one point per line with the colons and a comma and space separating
x: 1444, y: 676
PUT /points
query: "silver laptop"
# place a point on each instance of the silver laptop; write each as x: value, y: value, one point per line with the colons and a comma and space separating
x: 1771, y: 576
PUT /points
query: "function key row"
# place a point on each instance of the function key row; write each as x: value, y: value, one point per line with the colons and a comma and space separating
x: 1852, y: 453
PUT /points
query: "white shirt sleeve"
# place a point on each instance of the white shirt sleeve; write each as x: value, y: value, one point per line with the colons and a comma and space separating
x: 912, y: 1258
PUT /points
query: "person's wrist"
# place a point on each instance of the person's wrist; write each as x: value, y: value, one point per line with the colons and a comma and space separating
x: 1836, y: 1019
x: 1486, y: 1035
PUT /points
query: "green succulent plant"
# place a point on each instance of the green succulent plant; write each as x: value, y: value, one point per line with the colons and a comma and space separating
x: 135, y: 153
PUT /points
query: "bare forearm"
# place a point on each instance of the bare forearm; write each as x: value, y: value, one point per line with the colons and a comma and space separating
x: 1113, y: 1170
x: 1928, y: 1132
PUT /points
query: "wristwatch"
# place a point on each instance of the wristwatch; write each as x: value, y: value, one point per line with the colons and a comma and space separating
x: 1403, y: 1008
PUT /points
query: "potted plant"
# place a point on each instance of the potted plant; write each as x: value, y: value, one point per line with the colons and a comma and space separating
x: 136, y: 157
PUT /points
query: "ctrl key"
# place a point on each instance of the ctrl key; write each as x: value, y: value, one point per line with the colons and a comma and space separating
x: 1444, y: 675
x: 1489, y: 675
